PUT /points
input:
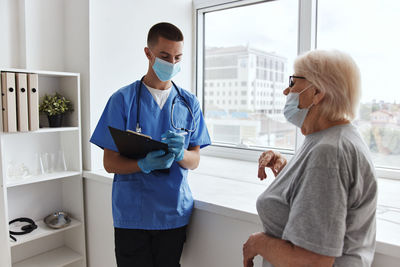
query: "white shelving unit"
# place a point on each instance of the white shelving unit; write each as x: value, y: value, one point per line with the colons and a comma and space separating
x: 37, y: 195
x: 58, y: 257
x: 42, y: 178
x: 49, y: 130
x: 42, y: 231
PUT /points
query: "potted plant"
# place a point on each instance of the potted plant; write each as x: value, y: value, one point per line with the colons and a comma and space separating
x: 55, y: 106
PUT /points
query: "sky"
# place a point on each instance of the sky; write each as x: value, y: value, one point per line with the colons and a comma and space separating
x: 366, y: 29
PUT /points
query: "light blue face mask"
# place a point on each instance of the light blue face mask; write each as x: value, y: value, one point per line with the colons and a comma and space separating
x: 292, y: 112
x: 164, y: 70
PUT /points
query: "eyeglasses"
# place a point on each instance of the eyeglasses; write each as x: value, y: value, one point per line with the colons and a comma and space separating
x: 291, y: 81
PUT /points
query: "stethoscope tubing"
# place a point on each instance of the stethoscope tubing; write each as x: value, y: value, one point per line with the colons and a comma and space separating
x: 139, y: 129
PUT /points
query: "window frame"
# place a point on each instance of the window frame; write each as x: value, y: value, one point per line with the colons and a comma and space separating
x: 306, y: 41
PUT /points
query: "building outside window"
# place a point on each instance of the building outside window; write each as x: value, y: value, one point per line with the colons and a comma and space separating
x: 239, y: 53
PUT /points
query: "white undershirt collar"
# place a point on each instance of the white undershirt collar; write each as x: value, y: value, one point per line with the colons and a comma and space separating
x: 160, y: 96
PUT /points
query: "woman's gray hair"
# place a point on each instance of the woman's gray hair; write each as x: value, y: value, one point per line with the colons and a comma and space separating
x: 336, y: 75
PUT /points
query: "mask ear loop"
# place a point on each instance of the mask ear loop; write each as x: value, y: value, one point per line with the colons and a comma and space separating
x: 312, y: 103
x: 311, y: 85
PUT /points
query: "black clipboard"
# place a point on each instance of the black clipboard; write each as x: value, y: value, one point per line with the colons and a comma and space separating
x: 134, y: 145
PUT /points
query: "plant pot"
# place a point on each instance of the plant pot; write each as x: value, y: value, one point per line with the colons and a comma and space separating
x: 55, y: 120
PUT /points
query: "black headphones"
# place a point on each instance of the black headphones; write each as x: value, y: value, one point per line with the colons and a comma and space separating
x: 26, y: 229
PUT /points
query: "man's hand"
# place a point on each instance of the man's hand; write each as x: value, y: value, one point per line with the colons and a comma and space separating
x: 156, y: 160
x: 273, y: 160
x: 176, y: 144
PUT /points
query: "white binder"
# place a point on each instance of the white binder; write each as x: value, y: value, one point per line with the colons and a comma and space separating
x: 22, y: 102
x: 9, y: 109
x: 33, y: 102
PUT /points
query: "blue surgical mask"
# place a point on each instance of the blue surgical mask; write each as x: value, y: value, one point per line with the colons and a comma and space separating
x: 164, y: 70
x: 292, y: 112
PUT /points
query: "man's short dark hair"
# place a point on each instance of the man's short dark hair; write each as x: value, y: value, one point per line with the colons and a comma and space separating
x: 165, y: 30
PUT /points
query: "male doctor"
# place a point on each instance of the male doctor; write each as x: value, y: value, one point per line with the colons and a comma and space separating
x: 151, y: 209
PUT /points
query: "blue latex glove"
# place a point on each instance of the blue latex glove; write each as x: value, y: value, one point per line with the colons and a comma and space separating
x: 156, y: 160
x: 176, y: 143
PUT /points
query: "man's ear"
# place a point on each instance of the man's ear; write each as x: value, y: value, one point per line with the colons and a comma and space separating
x: 318, y: 96
x: 147, y: 53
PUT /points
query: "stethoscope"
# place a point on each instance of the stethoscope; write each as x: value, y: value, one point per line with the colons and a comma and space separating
x: 139, y: 129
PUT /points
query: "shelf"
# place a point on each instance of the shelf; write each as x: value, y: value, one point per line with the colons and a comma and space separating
x: 42, y: 178
x: 43, y: 72
x: 46, y: 130
x: 56, y: 129
x: 55, y: 258
x: 42, y: 231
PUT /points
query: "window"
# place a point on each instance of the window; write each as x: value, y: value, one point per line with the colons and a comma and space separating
x: 235, y: 48
x: 370, y: 40
x: 267, y: 36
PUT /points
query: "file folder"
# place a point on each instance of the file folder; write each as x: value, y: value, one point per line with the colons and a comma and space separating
x: 22, y: 102
x: 33, y: 102
x: 8, y: 98
x: 134, y: 145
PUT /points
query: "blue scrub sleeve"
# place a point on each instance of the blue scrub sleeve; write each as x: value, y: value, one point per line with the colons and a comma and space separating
x: 114, y: 116
x: 200, y: 137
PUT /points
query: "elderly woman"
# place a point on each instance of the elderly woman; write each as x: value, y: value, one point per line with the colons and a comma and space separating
x: 320, y: 210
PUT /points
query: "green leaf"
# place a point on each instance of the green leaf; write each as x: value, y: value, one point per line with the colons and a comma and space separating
x: 55, y: 104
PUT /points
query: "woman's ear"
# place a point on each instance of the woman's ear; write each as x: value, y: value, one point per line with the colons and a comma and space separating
x: 318, y: 96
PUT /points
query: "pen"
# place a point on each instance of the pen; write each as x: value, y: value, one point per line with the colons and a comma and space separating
x: 181, y: 134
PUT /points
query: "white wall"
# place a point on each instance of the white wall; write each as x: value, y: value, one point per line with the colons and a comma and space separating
x: 118, y: 33
x: 9, y: 37
x: 76, y: 53
x: 214, y: 240
x: 44, y: 34
x: 32, y: 34
x: 99, y: 224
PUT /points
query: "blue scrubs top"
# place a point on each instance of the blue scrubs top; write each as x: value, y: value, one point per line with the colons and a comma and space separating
x: 157, y: 200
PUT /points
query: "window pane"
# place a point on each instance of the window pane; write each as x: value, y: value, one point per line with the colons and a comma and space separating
x: 371, y: 38
x: 249, y: 54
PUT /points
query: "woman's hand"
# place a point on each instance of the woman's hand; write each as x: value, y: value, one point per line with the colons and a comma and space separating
x: 250, y: 248
x: 273, y: 160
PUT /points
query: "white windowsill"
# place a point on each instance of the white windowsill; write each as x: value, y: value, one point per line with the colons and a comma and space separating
x: 230, y: 188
